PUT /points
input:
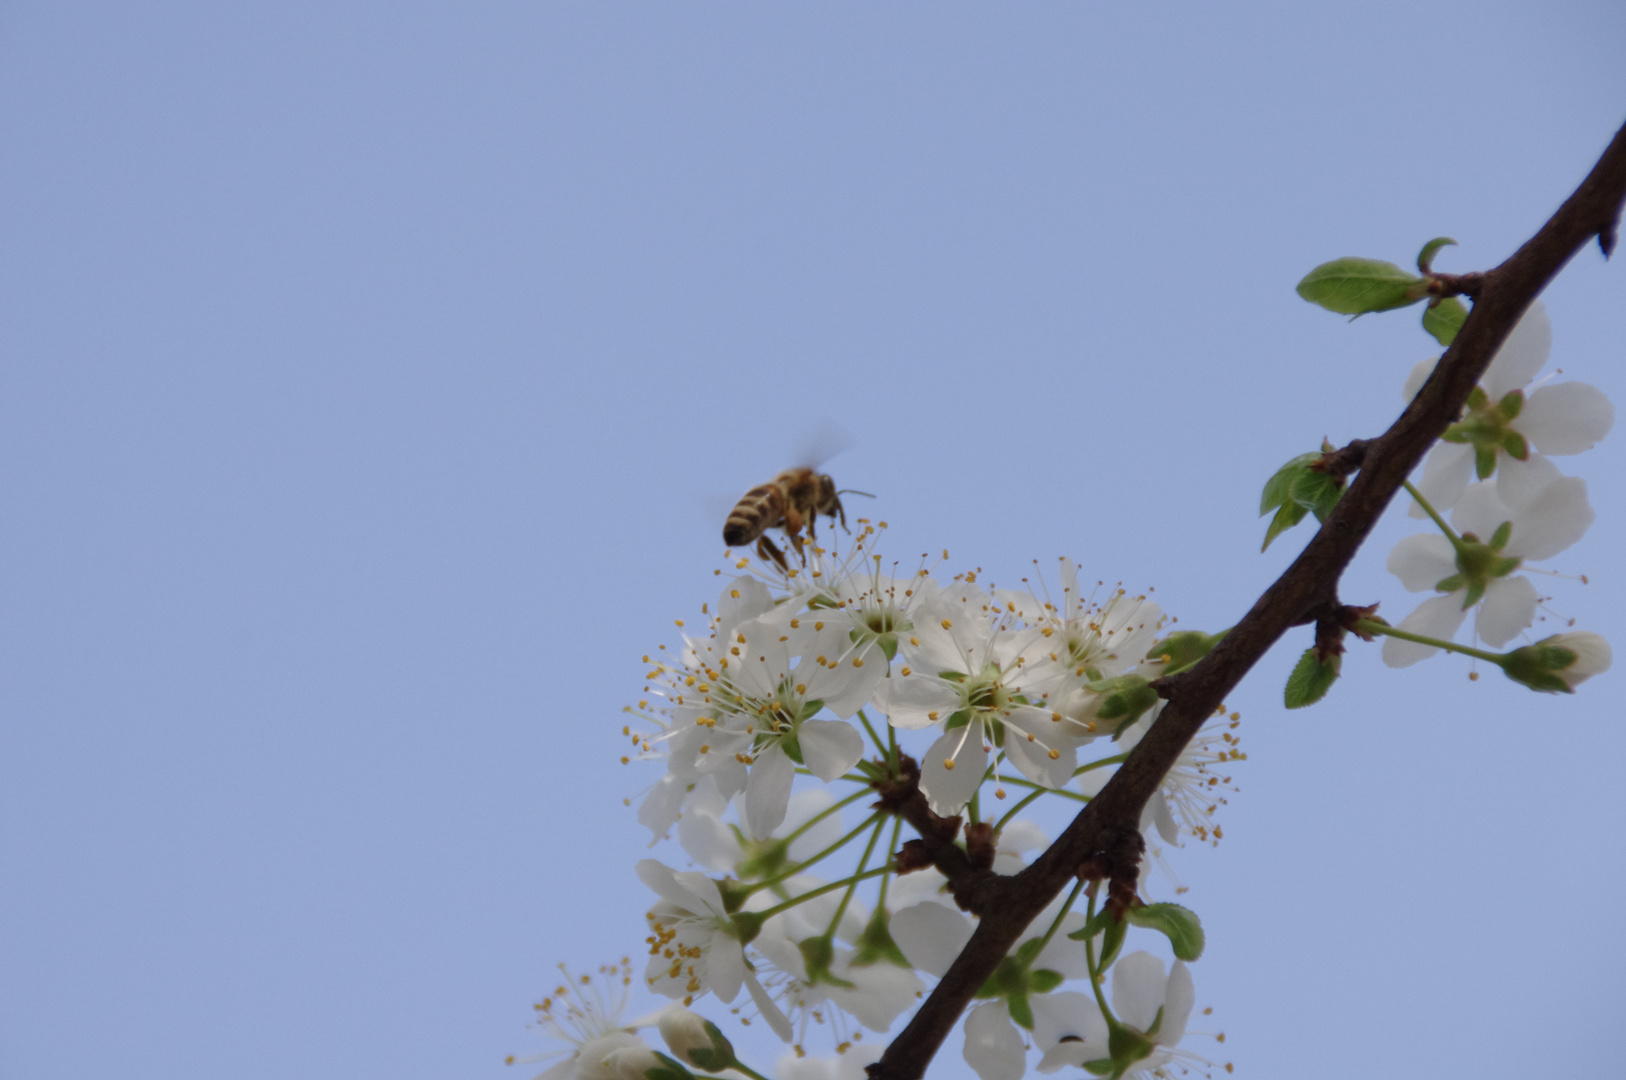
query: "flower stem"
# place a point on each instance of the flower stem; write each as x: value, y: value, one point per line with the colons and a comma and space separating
x: 778, y: 909
x: 1060, y: 915
x: 1022, y: 804
x: 799, y: 867
x: 1095, y: 972
x: 869, y: 849
x: 1456, y: 541
x: 833, y: 808
x: 1371, y: 627
x: 873, y: 737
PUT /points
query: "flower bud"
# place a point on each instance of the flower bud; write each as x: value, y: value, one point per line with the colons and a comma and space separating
x: 636, y: 1063
x: 695, y: 1040
x: 1558, y: 664
x: 597, y: 1060
x: 1120, y: 701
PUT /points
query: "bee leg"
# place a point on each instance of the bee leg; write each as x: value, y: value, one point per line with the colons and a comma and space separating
x: 843, y: 515
x: 767, y: 549
x: 796, y: 542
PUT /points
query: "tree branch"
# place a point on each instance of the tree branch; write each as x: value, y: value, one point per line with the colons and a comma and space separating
x: 1500, y: 298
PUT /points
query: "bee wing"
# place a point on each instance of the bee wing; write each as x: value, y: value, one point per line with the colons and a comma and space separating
x: 822, y: 443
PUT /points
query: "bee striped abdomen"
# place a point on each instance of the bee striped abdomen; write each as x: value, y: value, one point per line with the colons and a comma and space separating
x: 759, y: 510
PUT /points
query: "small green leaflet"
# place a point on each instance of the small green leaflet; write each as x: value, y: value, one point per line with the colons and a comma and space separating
x: 1311, y: 679
x: 1444, y: 319
x: 1180, y: 925
x: 1425, y: 258
x: 1356, y: 286
x: 1295, y: 490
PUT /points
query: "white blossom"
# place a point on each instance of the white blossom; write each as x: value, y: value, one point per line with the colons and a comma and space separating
x: 1557, y: 419
x: 1154, y: 1006
x: 1543, y: 521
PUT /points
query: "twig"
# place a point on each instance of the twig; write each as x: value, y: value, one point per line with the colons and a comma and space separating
x: 1502, y: 295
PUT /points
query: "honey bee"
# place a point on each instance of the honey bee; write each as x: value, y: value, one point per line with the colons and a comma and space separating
x: 793, y: 498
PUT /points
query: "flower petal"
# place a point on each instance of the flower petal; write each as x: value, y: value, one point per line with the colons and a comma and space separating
x: 830, y: 747
x: 1554, y: 520
x: 1436, y: 618
x: 767, y: 792
x: 1418, y: 376
x: 1522, y: 354
x: 1566, y: 418
x: 1178, y: 999
x: 930, y: 936
x: 1422, y: 561
x: 1519, y: 482
x: 1481, y: 510
x: 1137, y: 989
x: 1509, y: 607
x: 993, y: 1046
x: 1070, y: 1015
x: 949, y: 789
x: 1446, y: 474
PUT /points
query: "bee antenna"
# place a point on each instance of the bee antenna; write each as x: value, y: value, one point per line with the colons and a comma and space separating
x: 855, y: 491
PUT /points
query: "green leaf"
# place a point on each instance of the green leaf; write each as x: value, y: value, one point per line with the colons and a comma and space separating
x: 1278, y: 489
x: 1444, y: 319
x: 1425, y: 258
x: 1317, y: 492
x: 1311, y: 679
x: 1180, y: 925
x: 1287, y: 517
x: 1112, y: 941
x: 1357, y: 286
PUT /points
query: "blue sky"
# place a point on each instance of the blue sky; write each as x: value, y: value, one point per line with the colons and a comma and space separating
x: 371, y: 377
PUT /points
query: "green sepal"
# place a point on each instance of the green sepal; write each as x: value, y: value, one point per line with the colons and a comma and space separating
x: 1450, y: 584
x: 1516, y: 446
x: 792, y: 748
x: 889, y: 646
x: 875, y: 944
x: 1512, y: 404
x: 669, y: 1069
x: 1124, y: 698
x: 1180, y: 925
x: 1484, y: 463
x: 747, y: 924
x: 1183, y: 648
x: 1101, y: 1067
x: 817, y: 954
x: 1456, y: 433
x: 1499, y: 538
x: 1311, y: 679
x: 1425, y: 258
x: 1028, y: 951
x: 959, y: 718
x: 1128, y: 1045
x: 810, y: 709
x: 1021, y: 1011
x: 735, y: 893
x: 1356, y: 286
x: 1444, y: 319
x: 1534, y: 666
x: 720, y: 1056
x: 1504, y: 566
x: 1044, y: 980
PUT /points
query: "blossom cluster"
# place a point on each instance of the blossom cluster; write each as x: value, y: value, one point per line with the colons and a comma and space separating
x: 1508, y: 503
x: 833, y: 671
